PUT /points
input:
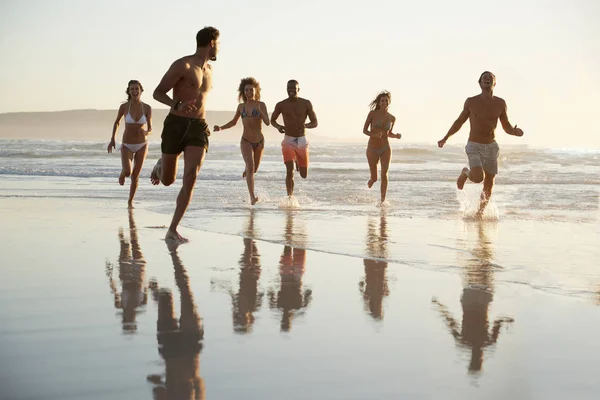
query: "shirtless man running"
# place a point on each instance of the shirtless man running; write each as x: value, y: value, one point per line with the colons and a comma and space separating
x: 483, y: 112
x: 294, y: 145
x: 185, y: 129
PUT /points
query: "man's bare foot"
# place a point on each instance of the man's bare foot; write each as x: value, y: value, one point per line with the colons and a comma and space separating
x: 370, y: 183
x: 462, y: 178
x: 174, y: 236
x: 254, y: 200
x: 154, y: 178
x: 121, y: 179
x: 130, y: 205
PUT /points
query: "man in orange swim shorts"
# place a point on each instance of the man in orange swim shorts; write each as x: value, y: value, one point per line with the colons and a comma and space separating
x: 294, y: 146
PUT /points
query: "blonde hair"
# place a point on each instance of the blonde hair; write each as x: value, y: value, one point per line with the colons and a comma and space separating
x: 374, y: 105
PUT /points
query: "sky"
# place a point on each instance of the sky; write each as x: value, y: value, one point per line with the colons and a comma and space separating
x: 79, y: 54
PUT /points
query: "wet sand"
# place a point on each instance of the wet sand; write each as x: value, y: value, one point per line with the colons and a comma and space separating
x: 94, y: 305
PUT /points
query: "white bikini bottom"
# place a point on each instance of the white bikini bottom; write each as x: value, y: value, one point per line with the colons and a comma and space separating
x: 134, y: 147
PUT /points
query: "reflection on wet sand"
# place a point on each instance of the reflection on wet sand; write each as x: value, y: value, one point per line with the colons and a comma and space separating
x: 179, y: 343
x: 290, y: 299
x: 248, y: 299
x: 374, y: 287
x: 132, y: 269
x: 475, y: 300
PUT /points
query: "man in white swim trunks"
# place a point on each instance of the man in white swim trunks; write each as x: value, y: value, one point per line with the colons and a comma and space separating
x: 294, y: 145
x: 483, y: 112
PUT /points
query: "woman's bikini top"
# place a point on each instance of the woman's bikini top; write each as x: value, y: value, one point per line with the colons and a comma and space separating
x: 255, y: 113
x: 379, y: 124
x: 129, y: 119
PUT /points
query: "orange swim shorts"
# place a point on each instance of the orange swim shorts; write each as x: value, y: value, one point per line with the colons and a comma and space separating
x: 295, y: 148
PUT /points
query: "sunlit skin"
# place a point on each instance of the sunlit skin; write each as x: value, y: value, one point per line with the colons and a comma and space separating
x: 133, y: 134
x: 294, y: 110
x: 190, y: 78
x: 483, y: 112
x: 378, y: 126
x: 252, y: 143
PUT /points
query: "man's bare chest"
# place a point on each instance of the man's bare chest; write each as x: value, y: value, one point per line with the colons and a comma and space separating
x: 295, y: 112
x: 485, y: 112
x: 197, y: 79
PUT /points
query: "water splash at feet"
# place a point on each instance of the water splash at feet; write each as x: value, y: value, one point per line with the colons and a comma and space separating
x: 468, y: 201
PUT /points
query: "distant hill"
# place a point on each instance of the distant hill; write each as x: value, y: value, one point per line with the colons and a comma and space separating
x: 97, y: 125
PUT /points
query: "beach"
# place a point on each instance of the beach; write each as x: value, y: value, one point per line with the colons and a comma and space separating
x: 317, y: 300
x: 195, y: 207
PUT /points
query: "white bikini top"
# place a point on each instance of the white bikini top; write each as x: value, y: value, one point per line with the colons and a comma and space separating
x: 129, y: 118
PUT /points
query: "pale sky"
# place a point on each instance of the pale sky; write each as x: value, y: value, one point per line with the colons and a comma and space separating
x: 76, y: 54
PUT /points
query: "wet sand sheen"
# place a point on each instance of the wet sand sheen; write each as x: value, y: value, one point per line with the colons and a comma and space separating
x: 87, y: 288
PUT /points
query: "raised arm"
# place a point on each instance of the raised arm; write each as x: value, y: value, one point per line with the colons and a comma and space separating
x: 462, y: 118
x: 507, y: 126
x: 310, y: 112
x: 231, y: 123
x: 120, y: 114
x: 274, y: 116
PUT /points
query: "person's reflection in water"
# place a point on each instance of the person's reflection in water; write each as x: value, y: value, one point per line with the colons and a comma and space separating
x: 248, y: 300
x: 290, y: 299
x: 179, y: 344
x: 132, y: 269
x: 374, y: 287
x: 475, y: 300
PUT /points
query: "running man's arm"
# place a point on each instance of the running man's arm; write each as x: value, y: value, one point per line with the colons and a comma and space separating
x: 368, y: 121
x: 311, y: 116
x: 274, y: 116
x: 231, y: 123
x: 120, y: 114
x: 168, y: 81
x: 507, y: 126
x: 462, y: 118
x: 262, y: 107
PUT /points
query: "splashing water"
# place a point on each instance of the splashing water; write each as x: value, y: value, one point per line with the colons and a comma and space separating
x: 469, y: 201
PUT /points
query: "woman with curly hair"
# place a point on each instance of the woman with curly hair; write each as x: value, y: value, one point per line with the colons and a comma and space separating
x: 253, y: 113
x: 381, y: 123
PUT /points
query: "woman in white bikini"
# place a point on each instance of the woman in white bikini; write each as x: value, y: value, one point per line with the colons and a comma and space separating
x: 253, y: 113
x: 381, y: 123
x: 135, y: 145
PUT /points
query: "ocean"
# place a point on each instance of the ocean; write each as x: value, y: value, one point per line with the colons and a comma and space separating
x: 538, y: 192
x: 547, y: 184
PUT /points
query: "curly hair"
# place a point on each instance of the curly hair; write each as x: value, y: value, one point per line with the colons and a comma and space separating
x: 243, y: 83
x: 374, y: 105
x: 132, y: 82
